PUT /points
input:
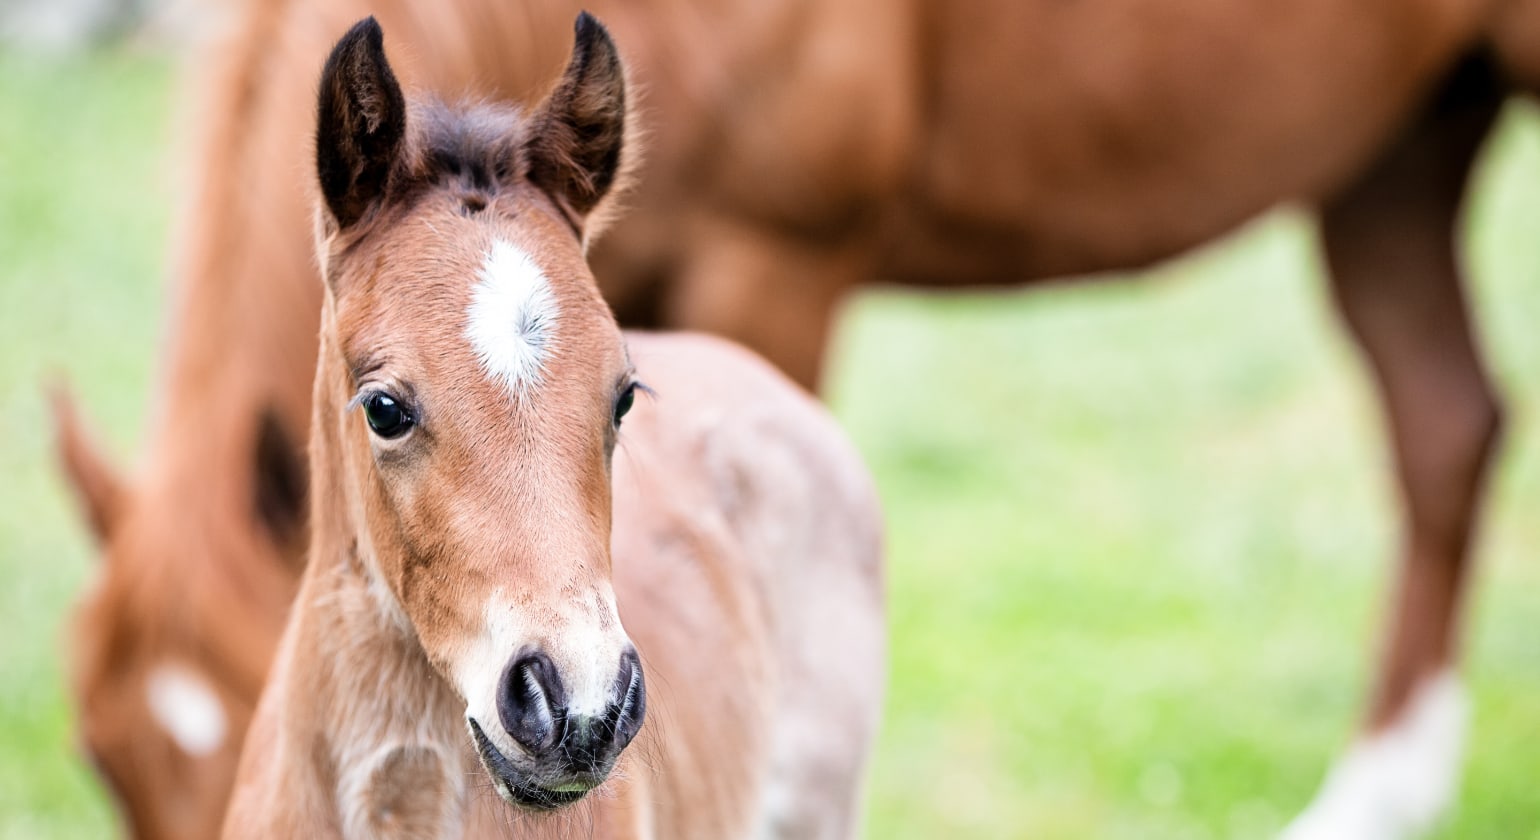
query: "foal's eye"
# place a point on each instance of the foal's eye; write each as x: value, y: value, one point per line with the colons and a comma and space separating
x: 623, y: 405
x: 386, y: 416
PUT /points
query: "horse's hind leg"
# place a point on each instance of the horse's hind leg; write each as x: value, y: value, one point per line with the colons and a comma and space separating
x: 1390, y: 245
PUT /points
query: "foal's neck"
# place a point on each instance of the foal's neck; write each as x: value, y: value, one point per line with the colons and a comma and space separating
x: 379, y: 729
x: 388, y: 726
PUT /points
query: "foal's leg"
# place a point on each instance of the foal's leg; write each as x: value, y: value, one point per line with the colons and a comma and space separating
x: 771, y: 290
x: 1390, y: 244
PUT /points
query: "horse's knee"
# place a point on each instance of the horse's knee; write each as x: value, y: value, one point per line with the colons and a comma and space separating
x: 1480, y: 428
x: 1444, y: 464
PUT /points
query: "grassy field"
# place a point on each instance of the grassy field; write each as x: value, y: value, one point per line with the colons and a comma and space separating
x: 1139, y: 531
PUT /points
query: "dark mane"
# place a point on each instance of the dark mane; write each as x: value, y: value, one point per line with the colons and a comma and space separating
x: 475, y: 147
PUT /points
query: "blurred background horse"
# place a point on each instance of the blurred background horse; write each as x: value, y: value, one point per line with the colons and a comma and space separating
x: 941, y: 151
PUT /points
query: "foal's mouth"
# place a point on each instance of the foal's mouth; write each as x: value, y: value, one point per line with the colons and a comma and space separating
x: 519, y: 791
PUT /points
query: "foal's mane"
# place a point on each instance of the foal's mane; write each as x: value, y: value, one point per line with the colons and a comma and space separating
x: 477, y: 149
x: 473, y: 149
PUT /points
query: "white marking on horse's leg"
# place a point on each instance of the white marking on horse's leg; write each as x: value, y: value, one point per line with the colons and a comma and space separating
x: 187, y: 708
x: 1394, y: 784
x: 512, y: 317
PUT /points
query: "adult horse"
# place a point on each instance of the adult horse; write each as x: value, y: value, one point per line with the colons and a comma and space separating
x: 467, y: 435
x: 801, y: 149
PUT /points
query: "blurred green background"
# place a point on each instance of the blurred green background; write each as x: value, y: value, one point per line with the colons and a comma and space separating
x: 1140, y: 531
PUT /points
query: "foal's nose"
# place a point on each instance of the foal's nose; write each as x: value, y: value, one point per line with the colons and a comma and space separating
x: 532, y: 704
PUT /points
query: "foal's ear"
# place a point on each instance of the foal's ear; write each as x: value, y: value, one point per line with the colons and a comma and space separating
x: 360, y: 123
x: 97, y: 486
x: 576, y: 136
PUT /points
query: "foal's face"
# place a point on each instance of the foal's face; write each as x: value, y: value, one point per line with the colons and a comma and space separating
x: 477, y: 382
x: 486, y: 379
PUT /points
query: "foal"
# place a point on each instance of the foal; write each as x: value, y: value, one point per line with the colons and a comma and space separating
x: 461, y: 628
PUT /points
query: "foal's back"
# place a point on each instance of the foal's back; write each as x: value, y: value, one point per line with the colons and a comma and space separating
x: 747, y: 556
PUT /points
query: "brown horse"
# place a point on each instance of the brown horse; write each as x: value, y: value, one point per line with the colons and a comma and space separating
x: 798, y: 150
x: 466, y: 437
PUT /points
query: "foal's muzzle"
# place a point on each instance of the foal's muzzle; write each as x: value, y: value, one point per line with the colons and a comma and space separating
x: 571, y: 753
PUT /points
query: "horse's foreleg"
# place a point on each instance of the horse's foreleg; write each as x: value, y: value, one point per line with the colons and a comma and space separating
x: 774, y: 292
x: 1390, y: 245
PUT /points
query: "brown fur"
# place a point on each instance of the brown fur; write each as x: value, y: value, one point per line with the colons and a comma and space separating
x: 746, y: 541
x: 797, y: 150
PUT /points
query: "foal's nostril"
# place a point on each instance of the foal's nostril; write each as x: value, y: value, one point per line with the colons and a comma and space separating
x: 532, y: 704
x: 530, y: 701
x: 630, y: 706
x: 590, y: 744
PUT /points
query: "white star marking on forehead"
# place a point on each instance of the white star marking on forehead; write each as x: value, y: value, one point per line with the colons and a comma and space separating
x: 185, y: 706
x: 512, y: 317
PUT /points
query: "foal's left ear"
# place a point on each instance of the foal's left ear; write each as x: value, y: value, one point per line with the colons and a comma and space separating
x: 360, y: 123
x: 575, y: 139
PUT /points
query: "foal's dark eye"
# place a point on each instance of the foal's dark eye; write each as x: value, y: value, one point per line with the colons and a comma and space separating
x: 623, y: 405
x: 386, y: 416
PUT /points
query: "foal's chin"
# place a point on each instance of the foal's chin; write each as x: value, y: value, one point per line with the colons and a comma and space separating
x: 533, y: 791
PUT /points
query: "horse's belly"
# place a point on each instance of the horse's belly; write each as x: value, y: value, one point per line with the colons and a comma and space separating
x: 1069, y: 137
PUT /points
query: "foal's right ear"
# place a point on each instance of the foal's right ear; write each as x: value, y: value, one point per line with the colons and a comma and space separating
x: 578, y: 133
x: 360, y: 123
x: 97, y: 486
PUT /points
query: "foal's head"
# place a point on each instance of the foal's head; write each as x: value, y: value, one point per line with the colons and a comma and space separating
x: 471, y: 387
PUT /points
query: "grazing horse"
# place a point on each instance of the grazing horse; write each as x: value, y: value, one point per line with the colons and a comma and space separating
x: 462, y: 617
x: 797, y: 151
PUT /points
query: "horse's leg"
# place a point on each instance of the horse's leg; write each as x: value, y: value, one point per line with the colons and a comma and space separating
x: 773, y: 291
x: 1390, y: 245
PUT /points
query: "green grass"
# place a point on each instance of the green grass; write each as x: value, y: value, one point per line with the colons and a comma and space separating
x: 83, y: 216
x: 1140, y: 532
x: 1140, y: 535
